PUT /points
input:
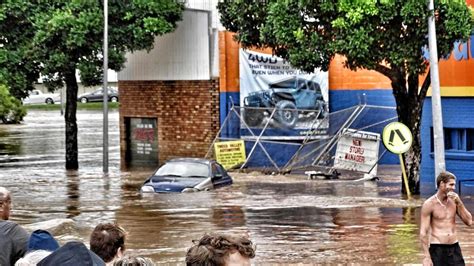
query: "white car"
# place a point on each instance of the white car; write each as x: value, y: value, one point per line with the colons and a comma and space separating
x: 37, y: 96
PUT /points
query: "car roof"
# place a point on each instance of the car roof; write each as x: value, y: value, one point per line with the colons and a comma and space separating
x: 295, y: 82
x: 189, y: 159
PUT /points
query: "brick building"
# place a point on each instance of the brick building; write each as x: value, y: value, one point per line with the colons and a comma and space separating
x: 169, y: 97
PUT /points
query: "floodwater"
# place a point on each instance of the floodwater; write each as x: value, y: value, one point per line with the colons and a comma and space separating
x: 291, y: 219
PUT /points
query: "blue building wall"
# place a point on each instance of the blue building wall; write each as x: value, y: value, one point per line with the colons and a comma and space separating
x: 232, y: 128
x: 457, y: 114
x: 342, y: 99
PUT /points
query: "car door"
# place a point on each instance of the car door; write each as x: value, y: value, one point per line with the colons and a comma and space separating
x: 35, y: 97
x: 306, y: 95
x: 97, y: 96
x: 220, y: 177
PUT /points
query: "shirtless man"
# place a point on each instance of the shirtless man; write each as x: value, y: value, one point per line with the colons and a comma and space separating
x: 440, y: 246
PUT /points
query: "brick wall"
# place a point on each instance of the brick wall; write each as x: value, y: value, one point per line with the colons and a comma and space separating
x: 187, y: 114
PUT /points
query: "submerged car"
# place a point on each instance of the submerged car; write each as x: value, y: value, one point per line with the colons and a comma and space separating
x: 98, y: 96
x: 187, y: 175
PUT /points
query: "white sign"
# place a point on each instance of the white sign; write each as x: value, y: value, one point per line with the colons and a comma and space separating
x: 357, y: 151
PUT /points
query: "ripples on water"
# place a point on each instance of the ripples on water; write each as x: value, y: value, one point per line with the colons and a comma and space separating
x: 290, y: 219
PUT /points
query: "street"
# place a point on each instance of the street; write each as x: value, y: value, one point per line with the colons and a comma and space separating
x: 291, y: 219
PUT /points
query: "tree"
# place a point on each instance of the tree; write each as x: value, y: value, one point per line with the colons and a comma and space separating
x: 11, y: 110
x: 387, y: 36
x: 58, y: 39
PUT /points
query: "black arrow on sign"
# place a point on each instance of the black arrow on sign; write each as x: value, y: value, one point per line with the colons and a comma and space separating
x: 400, y: 135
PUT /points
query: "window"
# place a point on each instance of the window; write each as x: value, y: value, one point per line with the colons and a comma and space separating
x: 456, y: 140
x: 470, y: 139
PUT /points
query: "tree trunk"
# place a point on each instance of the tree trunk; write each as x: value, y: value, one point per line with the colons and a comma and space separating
x: 71, y: 121
x: 409, y: 108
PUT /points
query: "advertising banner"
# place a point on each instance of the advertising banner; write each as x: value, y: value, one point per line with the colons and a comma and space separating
x: 357, y: 151
x: 230, y: 153
x: 268, y: 82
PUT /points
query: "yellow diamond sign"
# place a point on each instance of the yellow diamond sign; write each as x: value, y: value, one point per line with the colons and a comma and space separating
x: 397, y: 137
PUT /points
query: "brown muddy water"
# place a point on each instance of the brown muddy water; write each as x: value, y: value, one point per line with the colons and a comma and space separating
x: 291, y: 220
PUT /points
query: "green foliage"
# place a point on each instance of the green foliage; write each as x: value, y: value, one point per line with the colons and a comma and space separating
x: 11, y: 109
x: 56, y: 38
x: 53, y: 38
x: 369, y: 33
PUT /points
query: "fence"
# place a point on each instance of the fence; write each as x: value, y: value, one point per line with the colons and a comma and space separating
x: 285, y: 140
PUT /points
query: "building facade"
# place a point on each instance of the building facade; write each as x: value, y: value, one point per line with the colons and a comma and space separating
x: 175, y: 98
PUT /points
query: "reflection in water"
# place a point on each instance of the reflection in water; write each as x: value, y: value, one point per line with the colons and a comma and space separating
x: 403, y: 244
x: 73, y: 198
x: 291, y: 219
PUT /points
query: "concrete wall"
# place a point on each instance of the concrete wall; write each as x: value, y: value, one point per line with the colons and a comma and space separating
x: 181, y: 55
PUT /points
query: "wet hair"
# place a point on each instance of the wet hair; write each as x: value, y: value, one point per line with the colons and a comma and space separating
x: 444, y: 177
x: 214, y: 249
x: 134, y: 261
x: 32, y: 258
x: 106, y: 239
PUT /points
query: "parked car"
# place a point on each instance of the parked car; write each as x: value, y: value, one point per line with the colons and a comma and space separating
x: 37, y: 96
x: 287, y: 96
x: 98, y: 96
x: 187, y: 175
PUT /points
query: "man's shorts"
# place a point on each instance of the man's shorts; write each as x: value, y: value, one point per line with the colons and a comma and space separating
x: 446, y: 254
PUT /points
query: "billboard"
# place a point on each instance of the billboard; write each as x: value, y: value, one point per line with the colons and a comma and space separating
x: 286, y: 100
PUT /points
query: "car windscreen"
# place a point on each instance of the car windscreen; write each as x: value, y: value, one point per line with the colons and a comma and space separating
x: 183, y: 169
x: 297, y: 84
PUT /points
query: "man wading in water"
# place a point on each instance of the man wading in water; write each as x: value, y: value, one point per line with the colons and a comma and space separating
x: 441, y: 247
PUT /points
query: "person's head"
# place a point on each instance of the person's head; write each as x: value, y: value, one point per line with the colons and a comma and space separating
x: 108, y: 241
x: 446, y: 182
x: 5, y: 203
x: 133, y: 261
x: 32, y: 258
x: 42, y: 240
x: 220, y: 250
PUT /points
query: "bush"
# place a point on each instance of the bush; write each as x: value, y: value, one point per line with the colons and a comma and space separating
x: 11, y: 109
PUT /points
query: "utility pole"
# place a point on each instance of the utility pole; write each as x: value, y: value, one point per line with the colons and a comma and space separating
x: 438, y: 136
x: 105, y: 141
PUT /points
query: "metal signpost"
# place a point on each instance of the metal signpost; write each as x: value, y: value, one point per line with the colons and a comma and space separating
x: 438, y: 137
x: 105, y: 144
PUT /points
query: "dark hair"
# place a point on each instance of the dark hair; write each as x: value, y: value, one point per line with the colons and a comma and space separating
x: 106, y: 239
x: 134, y: 261
x: 444, y: 177
x: 213, y: 249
